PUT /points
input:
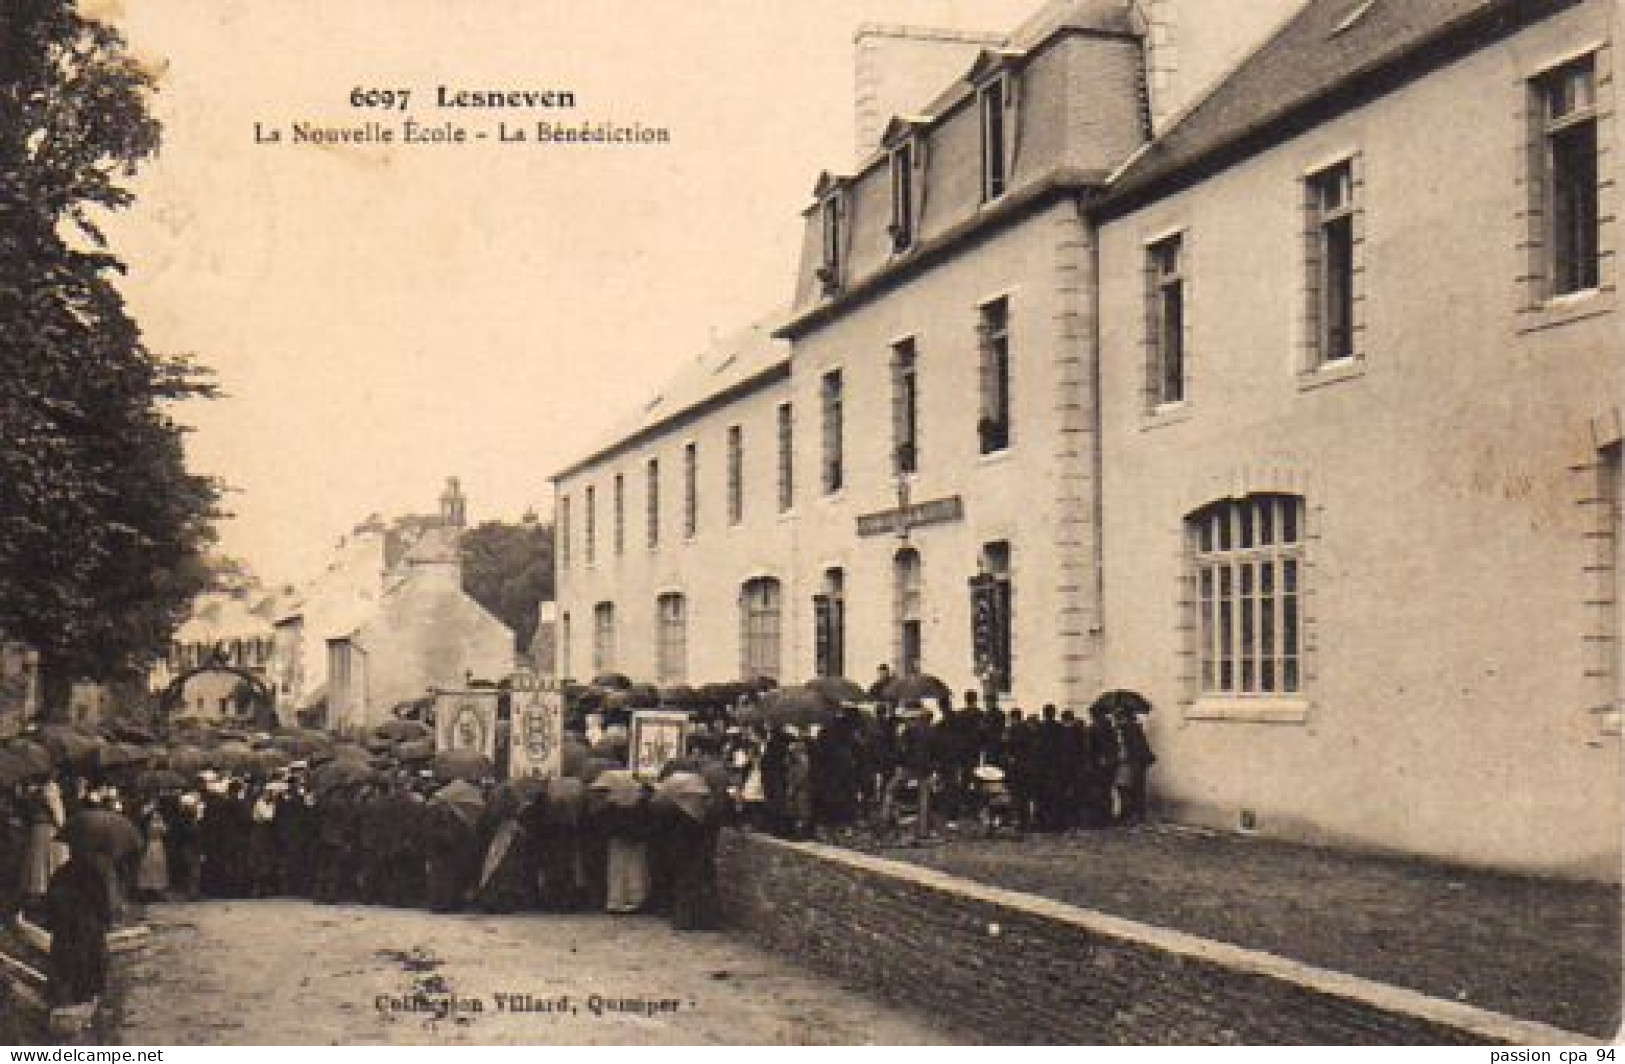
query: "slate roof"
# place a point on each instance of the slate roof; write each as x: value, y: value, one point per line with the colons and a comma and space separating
x: 732, y: 362
x: 1329, y: 47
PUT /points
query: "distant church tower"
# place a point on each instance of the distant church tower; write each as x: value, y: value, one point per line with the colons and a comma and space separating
x: 453, y: 513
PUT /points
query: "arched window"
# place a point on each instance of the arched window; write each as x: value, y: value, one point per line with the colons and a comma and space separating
x: 1247, y: 560
x: 759, y: 628
x: 908, y: 598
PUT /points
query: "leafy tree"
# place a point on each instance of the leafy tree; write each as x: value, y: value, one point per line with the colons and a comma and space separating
x: 508, y: 569
x: 101, y: 523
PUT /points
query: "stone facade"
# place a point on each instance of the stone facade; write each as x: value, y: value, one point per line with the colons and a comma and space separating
x: 1456, y: 696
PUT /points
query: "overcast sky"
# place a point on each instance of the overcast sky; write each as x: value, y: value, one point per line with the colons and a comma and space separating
x: 385, y: 317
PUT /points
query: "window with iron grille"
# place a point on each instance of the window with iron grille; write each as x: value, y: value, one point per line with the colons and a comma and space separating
x: 834, y: 464
x: 603, y: 637
x: 787, y: 458
x: 1566, y: 109
x: 905, y: 408
x: 691, y: 490
x: 736, y: 474
x: 993, y: 335
x: 653, y: 506
x: 620, y: 514
x: 759, y: 629
x: 1332, y: 204
x: 1247, y: 558
x: 1165, y: 262
x: 671, y: 645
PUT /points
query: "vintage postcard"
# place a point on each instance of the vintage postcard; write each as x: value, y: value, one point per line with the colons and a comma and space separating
x: 868, y: 522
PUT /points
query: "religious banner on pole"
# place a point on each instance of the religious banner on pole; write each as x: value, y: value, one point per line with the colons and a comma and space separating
x: 466, y: 720
x: 537, y: 731
x: 657, y: 737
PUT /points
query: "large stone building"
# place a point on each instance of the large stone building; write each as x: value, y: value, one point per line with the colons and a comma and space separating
x: 1361, y: 381
x: 1162, y: 349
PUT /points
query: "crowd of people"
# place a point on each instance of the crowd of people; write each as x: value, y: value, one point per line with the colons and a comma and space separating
x: 599, y: 837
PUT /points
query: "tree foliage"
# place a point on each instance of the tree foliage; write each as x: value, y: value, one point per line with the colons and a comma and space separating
x: 508, y: 569
x: 101, y: 523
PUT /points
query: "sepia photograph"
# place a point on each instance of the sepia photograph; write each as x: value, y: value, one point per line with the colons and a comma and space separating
x: 876, y: 522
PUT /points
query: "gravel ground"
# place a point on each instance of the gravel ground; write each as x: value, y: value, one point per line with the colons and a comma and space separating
x: 1539, y: 949
x: 269, y: 972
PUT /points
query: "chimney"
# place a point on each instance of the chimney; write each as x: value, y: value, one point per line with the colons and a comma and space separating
x: 902, y: 69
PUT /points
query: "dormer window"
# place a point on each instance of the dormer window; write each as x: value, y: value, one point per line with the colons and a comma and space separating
x: 834, y: 226
x: 902, y: 196
x: 992, y: 101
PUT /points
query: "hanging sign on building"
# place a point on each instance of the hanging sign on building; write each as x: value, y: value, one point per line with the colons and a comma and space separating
x: 537, y: 731
x: 466, y: 720
x: 900, y: 519
x: 657, y: 737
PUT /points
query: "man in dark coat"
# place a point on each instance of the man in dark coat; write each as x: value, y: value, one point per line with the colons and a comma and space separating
x: 1020, y: 772
x: 1051, y: 771
x: 1134, y: 770
x: 78, y: 910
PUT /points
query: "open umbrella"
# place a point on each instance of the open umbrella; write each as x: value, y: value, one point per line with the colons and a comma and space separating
x: 463, y: 799
x: 402, y: 730
x: 102, y: 832
x: 643, y: 696
x: 837, y: 689
x: 800, y: 706
x: 13, y: 769
x: 301, y: 743
x: 565, y: 799
x: 188, y: 759
x: 133, y: 733
x: 160, y: 779
x: 234, y: 754
x: 69, y: 745
x: 688, y: 792
x: 917, y: 688
x: 335, y: 774
x: 462, y: 765
x: 36, y: 757
x: 350, y: 752
x: 679, y: 696
x: 617, y: 787
x: 1121, y: 701
x: 612, y: 681
x: 415, y: 750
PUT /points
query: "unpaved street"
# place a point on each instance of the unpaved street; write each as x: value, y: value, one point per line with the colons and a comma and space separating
x: 293, y: 972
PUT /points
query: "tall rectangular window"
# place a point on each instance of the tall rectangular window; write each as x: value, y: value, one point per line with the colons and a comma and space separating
x: 1166, y: 266
x: 829, y: 625
x: 993, y: 334
x: 566, y: 647
x: 834, y: 464
x: 833, y: 221
x: 787, y: 457
x: 902, y: 196
x: 736, y: 474
x: 908, y: 599
x: 691, y: 490
x: 1332, y: 208
x: 991, y: 101
x: 1567, y: 108
x: 592, y: 525
x: 603, y: 637
x: 654, y: 503
x: 905, y: 408
x: 759, y: 629
x: 992, y: 615
x: 1248, y: 561
x: 671, y: 644
x: 564, y: 532
x: 620, y: 514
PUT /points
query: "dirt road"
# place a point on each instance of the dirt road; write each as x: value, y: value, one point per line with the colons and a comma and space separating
x: 225, y: 973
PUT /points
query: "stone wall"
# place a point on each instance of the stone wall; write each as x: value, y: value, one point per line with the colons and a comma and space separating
x: 1004, y: 967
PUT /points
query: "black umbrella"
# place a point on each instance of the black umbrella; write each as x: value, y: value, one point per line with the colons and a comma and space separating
x: 102, y: 832
x: 838, y: 689
x: 916, y: 688
x: 462, y: 765
x: 612, y: 681
x: 801, y: 706
x: 1123, y: 702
